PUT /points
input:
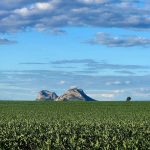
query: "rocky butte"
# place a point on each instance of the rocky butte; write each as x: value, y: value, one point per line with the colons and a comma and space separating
x: 73, y: 94
x: 45, y: 95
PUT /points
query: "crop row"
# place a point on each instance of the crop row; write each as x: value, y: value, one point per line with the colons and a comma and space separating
x: 64, y: 135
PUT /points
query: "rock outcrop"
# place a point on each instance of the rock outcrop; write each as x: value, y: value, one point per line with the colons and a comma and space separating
x: 45, y: 95
x: 74, y: 94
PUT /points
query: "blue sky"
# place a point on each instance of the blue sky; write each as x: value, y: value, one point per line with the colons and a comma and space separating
x: 101, y: 46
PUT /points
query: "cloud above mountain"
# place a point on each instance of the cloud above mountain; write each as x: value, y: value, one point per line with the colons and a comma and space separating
x: 18, y: 84
x: 95, y: 65
x: 91, y: 66
x: 48, y: 14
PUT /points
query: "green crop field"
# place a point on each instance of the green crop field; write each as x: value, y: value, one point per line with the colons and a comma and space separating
x: 75, y: 125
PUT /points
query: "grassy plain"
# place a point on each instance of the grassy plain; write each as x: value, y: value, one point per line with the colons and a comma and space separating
x: 74, y: 125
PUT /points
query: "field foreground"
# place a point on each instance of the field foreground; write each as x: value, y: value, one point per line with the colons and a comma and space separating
x: 75, y: 125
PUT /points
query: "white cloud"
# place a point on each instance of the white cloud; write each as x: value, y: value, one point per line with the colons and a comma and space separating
x: 119, y: 41
x: 73, y: 86
x: 6, y: 41
x: 118, y: 83
x: 36, y: 8
x: 22, y: 11
x: 127, y: 82
x: 43, y: 6
x: 93, y: 1
x: 106, y: 94
x: 24, y: 14
x: 101, y: 96
x: 62, y: 82
x: 113, y: 83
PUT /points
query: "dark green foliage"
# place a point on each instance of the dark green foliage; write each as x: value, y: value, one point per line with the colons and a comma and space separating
x: 128, y: 99
x: 74, y: 125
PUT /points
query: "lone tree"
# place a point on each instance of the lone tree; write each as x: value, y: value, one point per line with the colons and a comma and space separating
x: 128, y: 99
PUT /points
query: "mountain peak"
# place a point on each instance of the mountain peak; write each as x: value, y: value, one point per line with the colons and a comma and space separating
x: 74, y: 94
x: 46, y: 95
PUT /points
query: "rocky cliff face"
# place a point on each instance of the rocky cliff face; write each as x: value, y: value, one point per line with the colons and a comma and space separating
x: 45, y: 95
x: 74, y: 95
